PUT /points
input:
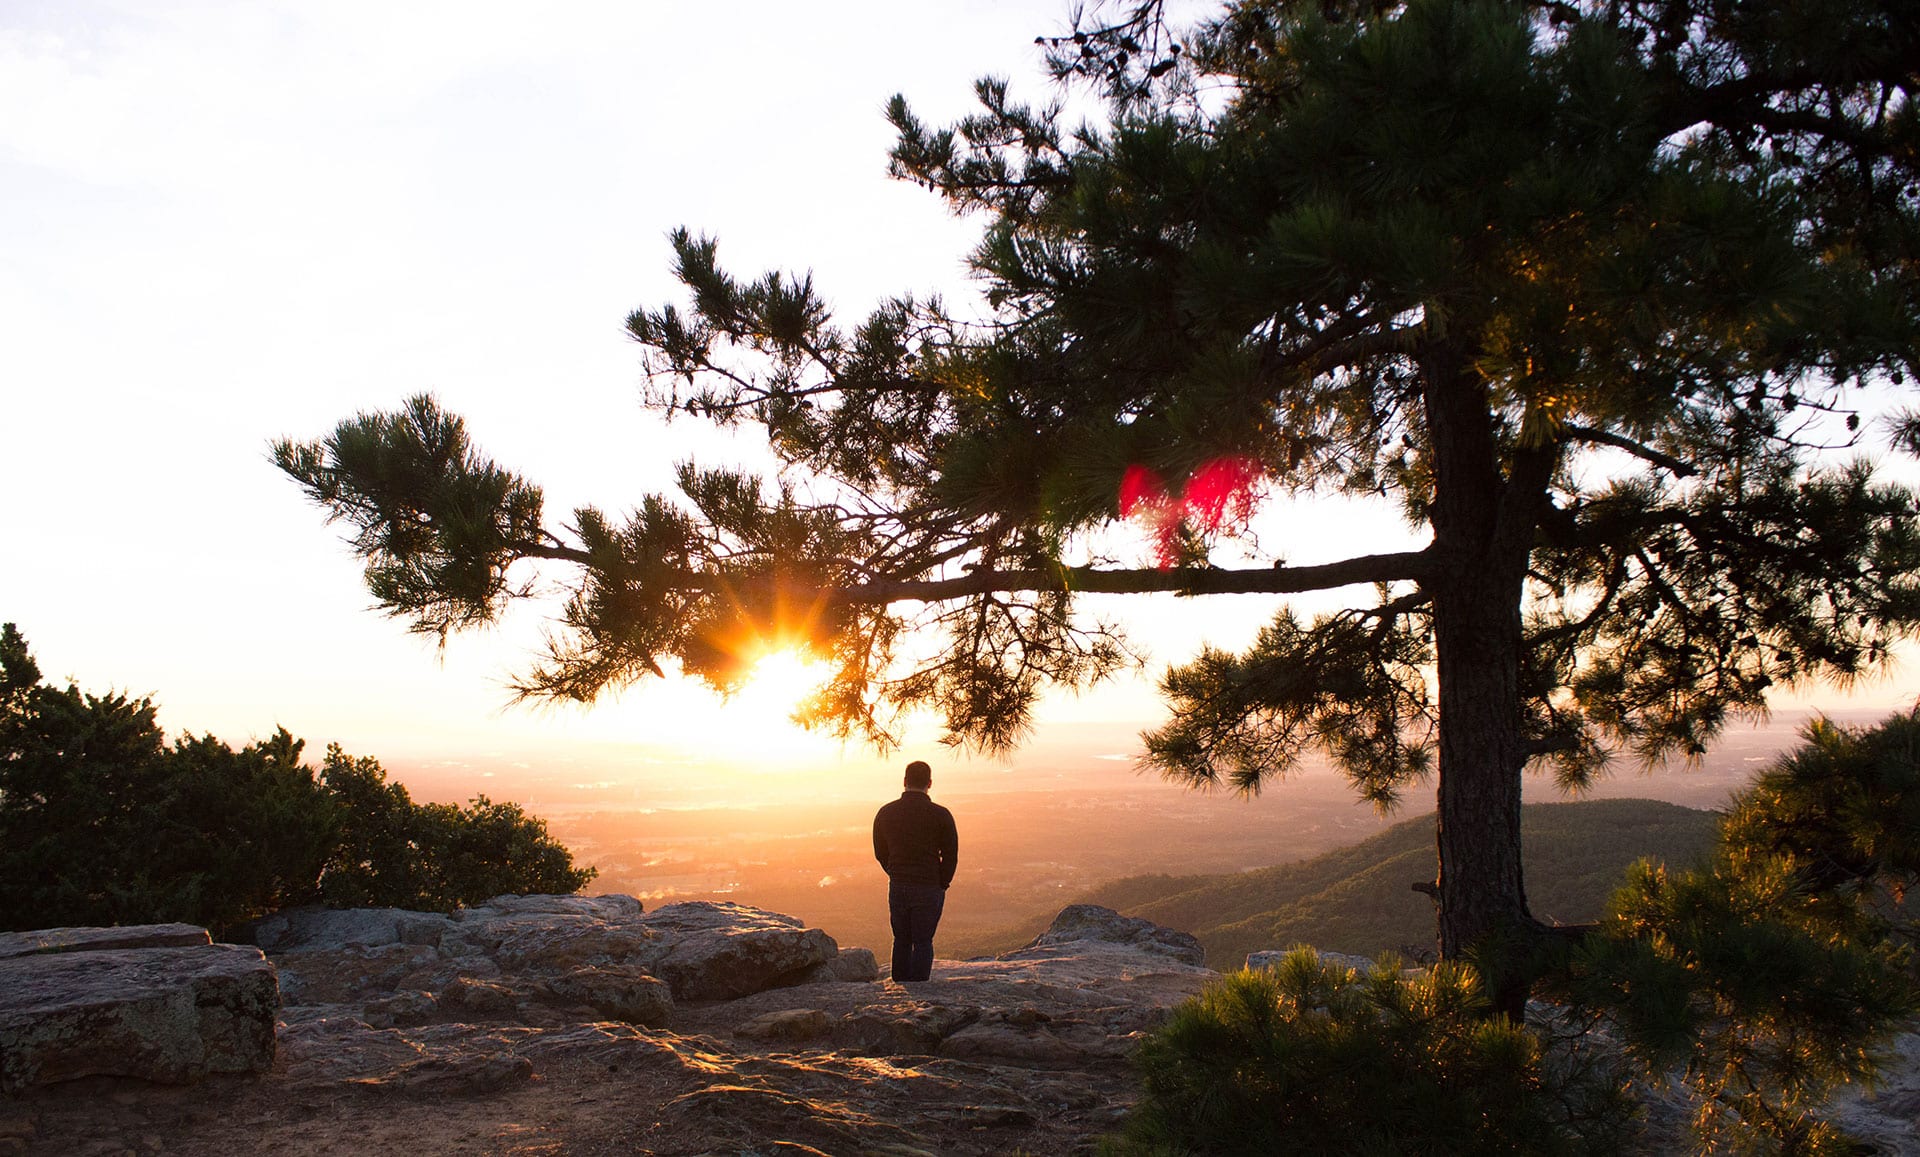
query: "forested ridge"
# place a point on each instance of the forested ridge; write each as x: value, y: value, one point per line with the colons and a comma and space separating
x: 1358, y: 899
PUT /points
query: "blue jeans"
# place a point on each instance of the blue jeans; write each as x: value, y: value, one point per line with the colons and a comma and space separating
x: 915, y: 910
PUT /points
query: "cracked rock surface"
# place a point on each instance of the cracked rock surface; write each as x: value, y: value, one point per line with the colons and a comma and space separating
x: 492, y: 1033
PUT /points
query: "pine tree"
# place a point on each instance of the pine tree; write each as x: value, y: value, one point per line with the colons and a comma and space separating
x: 1581, y: 287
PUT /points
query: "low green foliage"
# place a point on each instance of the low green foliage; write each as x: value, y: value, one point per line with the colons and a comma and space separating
x: 394, y: 853
x: 1312, y: 1057
x: 1728, y: 978
x: 1769, y: 977
x: 103, y: 822
x: 1758, y: 982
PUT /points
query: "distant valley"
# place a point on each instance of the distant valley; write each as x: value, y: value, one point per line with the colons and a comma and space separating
x: 1067, y: 819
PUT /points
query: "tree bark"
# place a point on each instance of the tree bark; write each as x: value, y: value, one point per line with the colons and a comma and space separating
x: 1483, y: 525
x: 1482, y: 886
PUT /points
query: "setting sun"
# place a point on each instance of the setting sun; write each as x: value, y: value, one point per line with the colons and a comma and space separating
x: 780, y: 680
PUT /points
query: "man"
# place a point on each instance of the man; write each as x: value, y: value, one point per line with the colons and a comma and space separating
x: 915, y: 841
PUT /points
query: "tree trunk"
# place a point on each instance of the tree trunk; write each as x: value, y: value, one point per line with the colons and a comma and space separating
x: 1483, y: 529
x: 1481, y: 886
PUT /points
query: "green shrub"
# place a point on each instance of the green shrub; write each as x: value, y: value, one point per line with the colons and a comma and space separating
x: 1758, y: 983
x: 1315, y: 1058
x: 1769, y: 978
x: 103, y: 822
x: 1719, y: 978
x: 392, y: 852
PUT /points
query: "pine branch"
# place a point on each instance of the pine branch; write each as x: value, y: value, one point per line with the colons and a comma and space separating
x: 1667, y: 462
x: 1377, y: 568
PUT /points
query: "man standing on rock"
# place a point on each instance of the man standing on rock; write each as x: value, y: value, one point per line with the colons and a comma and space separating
x: 915, y: 841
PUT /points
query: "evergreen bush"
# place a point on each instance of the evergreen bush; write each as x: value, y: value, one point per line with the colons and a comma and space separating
x: 1767, y: 979
x: 1758, y: 983
x: 103, y: 822
x: 1313, y: 1057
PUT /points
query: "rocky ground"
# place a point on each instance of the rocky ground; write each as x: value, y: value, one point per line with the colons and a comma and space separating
x: 582, y: 1025
x: 563, y: 1025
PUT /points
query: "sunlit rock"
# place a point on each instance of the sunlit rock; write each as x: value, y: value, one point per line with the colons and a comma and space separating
x: 173, y: 1014
x: 717, y: 951
x: 604, y: 953
x: 524, y: 997
x: 1090, y: 923
x: 462, y: 1074
x: 614, y: 991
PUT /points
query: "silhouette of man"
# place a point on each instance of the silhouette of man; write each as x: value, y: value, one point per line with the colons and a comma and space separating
x: 915, y: 841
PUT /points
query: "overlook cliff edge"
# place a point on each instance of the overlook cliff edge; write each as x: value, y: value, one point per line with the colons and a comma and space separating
x: 576, y: 1024
x: 586, y: 1025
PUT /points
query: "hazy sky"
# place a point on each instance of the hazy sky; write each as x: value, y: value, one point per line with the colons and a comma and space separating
x: 222, y: 223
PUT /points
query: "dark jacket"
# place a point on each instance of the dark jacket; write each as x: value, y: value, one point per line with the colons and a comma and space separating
x: 915, y: 840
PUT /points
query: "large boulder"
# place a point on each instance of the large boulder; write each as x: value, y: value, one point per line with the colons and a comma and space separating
x: 605, y: 952
x: 147, y: 1007
x: 719, y: 951
x: 1092, y: 924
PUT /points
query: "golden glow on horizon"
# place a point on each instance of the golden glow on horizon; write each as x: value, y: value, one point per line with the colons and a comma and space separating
x: 752, y: 728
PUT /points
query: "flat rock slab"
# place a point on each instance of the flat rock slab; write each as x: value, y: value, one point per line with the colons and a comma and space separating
x: 93, y: 939
x: 169, y: 1014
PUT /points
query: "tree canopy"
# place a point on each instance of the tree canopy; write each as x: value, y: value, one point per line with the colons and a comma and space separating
x: 1591, y: 292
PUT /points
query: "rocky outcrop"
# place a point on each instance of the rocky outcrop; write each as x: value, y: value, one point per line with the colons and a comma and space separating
x: 158, y: 1002
x: 528, y: 1026
x: 1091, y: 924
x: 1081, y: 994
x: 721, y: 951
x: 564, y: 1023
x: 538, y: 958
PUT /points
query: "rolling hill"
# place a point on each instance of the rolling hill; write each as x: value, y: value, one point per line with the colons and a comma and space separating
x: 1360, y: 899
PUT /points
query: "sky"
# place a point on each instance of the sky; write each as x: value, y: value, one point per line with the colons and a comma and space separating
x: 226, y: 223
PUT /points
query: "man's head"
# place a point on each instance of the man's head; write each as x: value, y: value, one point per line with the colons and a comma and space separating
x: 919, y: 775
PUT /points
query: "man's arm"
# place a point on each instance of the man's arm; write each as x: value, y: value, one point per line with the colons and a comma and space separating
x: 949, y: 848
x: 879, y: 840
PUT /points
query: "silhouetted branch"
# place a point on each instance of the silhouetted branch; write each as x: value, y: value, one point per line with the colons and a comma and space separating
x: 1667, y: 462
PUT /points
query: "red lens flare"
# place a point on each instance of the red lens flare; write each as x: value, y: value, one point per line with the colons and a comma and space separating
x: 1218, y: 495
